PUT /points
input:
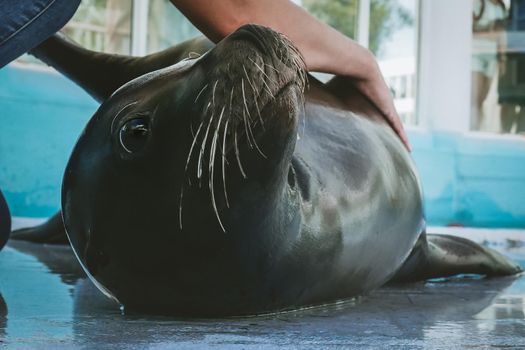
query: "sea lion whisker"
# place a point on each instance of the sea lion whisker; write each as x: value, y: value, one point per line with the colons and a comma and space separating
x: 223, y: 151
x: 263, y: 72
x: 272, y: 67
x: 213, y: 95
x: 211, y: 171
x: 207, y: 108
x: 193, y: 145
x: 282, y: 52
x: 300, y: 65
x: 257, y: 146
x: 249, y: 131
x: 268, y: 89
x: 180, y: 205
x: 244, y: 117
x: 263, y: 80
x: 256, y: 94
x: 237, y: 154
x: 248, y: 112
x: 230, y: 109
x: 231, y: 101
x: 192, y: 131
x: 215, y: 134
x: 303, y: 80
x: 244, y: 99
x: 200, y: 93
x: 223, y: 161
x: 203, y: 145
x: 246, y: 128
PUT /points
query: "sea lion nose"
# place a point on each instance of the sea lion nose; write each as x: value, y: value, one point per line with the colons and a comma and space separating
x: 254, y: 34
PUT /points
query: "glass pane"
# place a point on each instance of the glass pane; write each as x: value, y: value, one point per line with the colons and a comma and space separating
x: 102, y: 25
x: 393, y: 39
x: 339, y: 14
x: 167, y: 26
x: 498, y: 66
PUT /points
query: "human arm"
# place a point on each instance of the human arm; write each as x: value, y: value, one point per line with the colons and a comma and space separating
x: 324, y: 49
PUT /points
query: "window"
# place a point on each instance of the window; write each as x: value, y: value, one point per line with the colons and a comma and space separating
x: 390, y: 32
x: 167, y: 26
x: 99, y: 25
x: 498, y: 66
x: 393, y: 39
x: 387, y: 27
x: 339, y: 14
x: 102, y: 25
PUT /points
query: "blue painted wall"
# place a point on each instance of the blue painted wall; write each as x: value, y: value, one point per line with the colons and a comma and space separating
x: 41, y: 116
x: 468, y: 180
x: 471, y: 180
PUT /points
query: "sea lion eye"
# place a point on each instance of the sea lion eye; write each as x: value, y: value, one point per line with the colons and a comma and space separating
x: 134, y: 134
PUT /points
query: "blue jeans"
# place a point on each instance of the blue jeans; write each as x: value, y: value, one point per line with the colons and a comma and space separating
x: 26, y: 23
x: 23, y: 25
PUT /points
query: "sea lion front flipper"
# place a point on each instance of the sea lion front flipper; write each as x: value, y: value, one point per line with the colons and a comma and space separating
x: 101, y: 74
x: 52, y: 232
x: 437, y: 256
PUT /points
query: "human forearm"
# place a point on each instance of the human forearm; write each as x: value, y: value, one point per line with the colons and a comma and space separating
x: 324, y: 49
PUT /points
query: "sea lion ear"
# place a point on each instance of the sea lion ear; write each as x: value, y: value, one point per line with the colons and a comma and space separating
x: 101, y: 74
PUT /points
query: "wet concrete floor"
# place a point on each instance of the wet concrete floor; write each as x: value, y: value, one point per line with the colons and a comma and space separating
x: 47, y: 303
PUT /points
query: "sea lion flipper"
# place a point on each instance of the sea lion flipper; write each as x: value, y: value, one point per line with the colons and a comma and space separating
x: 101, y: 74
x: 52, y: 231
x: 451, y: 255
x: 97, y: 73
x: 437, y: 256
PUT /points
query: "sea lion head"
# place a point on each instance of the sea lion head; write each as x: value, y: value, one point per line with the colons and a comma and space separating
x: 180, y: 163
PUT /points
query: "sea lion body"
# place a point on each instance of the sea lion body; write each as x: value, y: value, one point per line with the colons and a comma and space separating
x: 209, y: 188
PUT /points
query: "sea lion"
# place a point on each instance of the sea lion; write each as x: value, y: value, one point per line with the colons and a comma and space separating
x: 217, y: 186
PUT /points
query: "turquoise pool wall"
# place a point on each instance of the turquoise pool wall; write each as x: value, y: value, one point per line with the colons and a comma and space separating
x: 469, y: 180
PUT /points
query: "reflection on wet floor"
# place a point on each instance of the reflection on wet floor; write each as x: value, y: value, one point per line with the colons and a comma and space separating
x: 47, y: 302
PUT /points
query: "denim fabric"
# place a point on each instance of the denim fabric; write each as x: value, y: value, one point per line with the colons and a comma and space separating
x: 23, y: 25
x: 26, y: 23
x: 5, y: 221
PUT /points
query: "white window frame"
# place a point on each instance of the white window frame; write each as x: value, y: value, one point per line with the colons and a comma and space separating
x: 444, y: 65
x: 139, y: 27
x: 363, y: 23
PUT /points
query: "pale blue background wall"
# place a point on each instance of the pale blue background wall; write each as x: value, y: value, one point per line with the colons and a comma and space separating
x: 468, y: 179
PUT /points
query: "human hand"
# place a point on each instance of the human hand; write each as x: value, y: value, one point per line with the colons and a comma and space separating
x: 365, y: 96
x: 375, y: 89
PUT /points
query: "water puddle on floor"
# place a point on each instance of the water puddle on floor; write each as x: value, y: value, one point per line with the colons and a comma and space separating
x: 46, y: 302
